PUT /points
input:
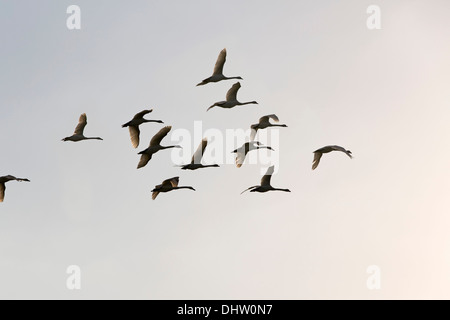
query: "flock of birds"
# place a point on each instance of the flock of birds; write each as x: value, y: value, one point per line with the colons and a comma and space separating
x: 155, y: 146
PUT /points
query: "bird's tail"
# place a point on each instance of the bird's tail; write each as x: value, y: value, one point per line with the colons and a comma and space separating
x: 248, y: 189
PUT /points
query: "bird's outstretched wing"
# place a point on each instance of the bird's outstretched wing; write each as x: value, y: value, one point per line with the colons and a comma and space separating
x: 134, y: 135
x: 240, y: 158
x: 265, y: 181
x: 316, y: 161
x: 154, y: 194
x: 82, y: 122
x: 232, y: 93
x: 198, y: 155
x: 172, y: 182
x: 156, y: 140
x: 145, y: 158
x: 266, y: 118
x: 218, y: 68
x: 141, y: 114
x: 253, y: 134
x: 2, y: 191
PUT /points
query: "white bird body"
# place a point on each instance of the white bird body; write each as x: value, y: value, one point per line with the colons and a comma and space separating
x: 78, y: 134
x: 264, y: 122
x: 265, y: 184
x: 154, y: 147
x: 318, y: 154
x: 167, y: 186
x: 241, y: 152
x: 218, y: 70
x: 231, y: 99
x: 133, y: 126
x: 4, y: 180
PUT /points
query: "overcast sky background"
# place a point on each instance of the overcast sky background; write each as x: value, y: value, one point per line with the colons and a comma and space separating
x: 382, y: 94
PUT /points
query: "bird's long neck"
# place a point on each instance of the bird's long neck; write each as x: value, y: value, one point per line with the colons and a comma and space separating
x: 190, y: 188
x: 158, y: 121
x: 170, y: 147
x: 245, y: 103
x: 284, y: 190
x: 279, y: 125
x: 93, y: 138
x: 263, y: 147
x: 210, y: 165
x: 231, y: 78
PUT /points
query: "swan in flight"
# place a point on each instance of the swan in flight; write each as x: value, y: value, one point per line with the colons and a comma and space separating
x: 4, y: 180
x: 78, y: 134
x: 133, y: 126
x: 231, y: 99
x: 264, y: 122
x: 167, y: 186
x: 241, y: 153
x: 265, y: 184
x: 318, y: 154
x: 197, y: 158
x: 154, y: 147
x: 218, y: 70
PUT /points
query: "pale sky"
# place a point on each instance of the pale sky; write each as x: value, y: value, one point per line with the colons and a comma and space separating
x: 383, y: 94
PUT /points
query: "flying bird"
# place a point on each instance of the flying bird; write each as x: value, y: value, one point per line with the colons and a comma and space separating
x: 133, y: 126
x: 197, y: 158
x: 78, y: 134
x: 5, y: 179
x: 265, y: 184
x: 264, y: 122
x: 154, y: 147
x: 241, y: 153
x: 318, y: 154
x: 231, y: 99
x: 218, y: 70
x: 167, y: 186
